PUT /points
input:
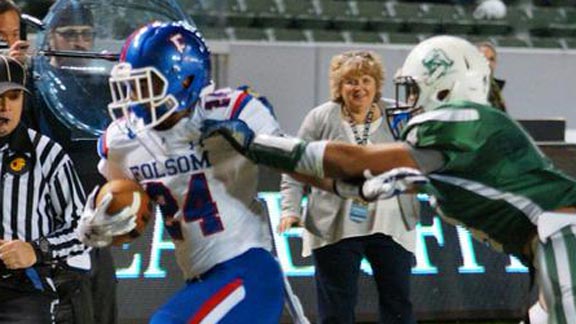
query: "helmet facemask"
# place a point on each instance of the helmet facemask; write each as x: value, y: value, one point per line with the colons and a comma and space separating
x: 407, y: 95
x: 165, y: 67
x: 140, y: 96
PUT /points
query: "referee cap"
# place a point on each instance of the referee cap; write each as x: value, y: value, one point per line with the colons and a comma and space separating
x: 12, y: 74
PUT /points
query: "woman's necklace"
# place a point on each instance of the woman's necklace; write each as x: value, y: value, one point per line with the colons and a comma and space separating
x: 362, y: 140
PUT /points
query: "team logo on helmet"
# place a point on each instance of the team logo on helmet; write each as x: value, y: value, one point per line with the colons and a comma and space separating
x: 437, y: 63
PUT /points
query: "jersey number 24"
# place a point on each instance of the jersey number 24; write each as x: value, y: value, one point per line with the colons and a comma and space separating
x: 198, y: 206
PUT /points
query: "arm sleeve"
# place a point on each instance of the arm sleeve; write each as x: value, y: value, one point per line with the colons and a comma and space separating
x: 444, y: 136
x: 428, y: 160
x: 259, y: 117
x: 110, y: 170
x: 291, y: 193
x: 106, y: 166
x: 456, y: 135
x: 68, y: 199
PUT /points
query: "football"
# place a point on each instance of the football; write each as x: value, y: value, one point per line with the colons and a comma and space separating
x: 123, y: 192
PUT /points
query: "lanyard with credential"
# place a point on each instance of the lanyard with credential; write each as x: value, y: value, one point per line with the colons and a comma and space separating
x: 367, y: 122
x: 359, y: 209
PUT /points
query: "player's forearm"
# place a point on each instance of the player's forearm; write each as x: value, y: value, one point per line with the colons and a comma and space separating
x: 328, y: 159
x: 350, y: 161
x: 324, y: 184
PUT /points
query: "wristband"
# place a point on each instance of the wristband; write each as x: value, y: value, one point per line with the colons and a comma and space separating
x: 277, y: 152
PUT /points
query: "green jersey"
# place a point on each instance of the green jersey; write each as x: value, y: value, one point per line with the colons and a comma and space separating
x: 495, y: 180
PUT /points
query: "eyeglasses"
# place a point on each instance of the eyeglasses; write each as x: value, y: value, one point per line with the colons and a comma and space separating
x: 70, y: 34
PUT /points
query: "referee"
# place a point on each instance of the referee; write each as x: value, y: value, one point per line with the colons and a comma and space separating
x: 41, y: 200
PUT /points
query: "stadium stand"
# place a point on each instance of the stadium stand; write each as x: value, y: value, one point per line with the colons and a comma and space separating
x: 249, y: 33
x: 339, y: 15
x: 403, y: 38
x: 365, y: 37
x: 265, y: 13
x: 289, y: 35
x: 215, y: 33
x: 528, y: 23
x: 302, y: 14
x: 327, y: 36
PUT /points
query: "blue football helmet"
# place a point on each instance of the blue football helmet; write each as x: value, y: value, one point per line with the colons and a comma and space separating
x: 163, y: 69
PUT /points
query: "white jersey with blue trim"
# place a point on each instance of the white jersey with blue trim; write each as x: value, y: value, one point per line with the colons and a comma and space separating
x: 206, y: 192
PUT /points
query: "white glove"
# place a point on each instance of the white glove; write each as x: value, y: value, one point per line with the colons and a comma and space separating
x: 391, y: 183
x: 96, y: 228
x: 490, y: 9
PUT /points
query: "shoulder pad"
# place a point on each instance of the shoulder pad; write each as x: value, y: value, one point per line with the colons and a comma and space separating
x: 248, y: 91
x: 102, y: 146
x: 220, y: 98
x: 218, y: 93
x: 116, y: 132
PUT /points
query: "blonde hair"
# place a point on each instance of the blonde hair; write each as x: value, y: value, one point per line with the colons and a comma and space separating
x: 355, y: 63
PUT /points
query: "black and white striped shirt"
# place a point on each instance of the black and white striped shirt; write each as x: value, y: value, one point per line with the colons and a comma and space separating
x: 41, y: 197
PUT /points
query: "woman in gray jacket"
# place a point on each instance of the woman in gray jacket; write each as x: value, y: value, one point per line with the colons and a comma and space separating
x: 341, y: 232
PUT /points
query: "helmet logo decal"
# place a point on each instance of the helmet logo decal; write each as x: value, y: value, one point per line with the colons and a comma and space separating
x: 437, y: 63
x: 178, y: 42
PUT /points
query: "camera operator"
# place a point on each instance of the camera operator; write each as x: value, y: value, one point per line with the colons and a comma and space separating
x: 13, y: 44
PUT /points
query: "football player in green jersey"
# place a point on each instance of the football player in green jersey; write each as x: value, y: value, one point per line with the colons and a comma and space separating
x: 480, y: 166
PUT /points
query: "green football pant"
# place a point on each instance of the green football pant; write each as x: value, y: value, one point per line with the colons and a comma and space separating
x: 555, y: 262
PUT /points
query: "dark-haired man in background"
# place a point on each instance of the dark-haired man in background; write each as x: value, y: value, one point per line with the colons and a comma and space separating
x: 73, y: 30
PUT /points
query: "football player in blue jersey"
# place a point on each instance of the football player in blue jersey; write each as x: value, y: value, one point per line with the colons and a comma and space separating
x: 480, y: 166
x: 161, y: 91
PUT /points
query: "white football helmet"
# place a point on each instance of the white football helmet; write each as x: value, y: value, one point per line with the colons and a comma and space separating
x: 438, y: 70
